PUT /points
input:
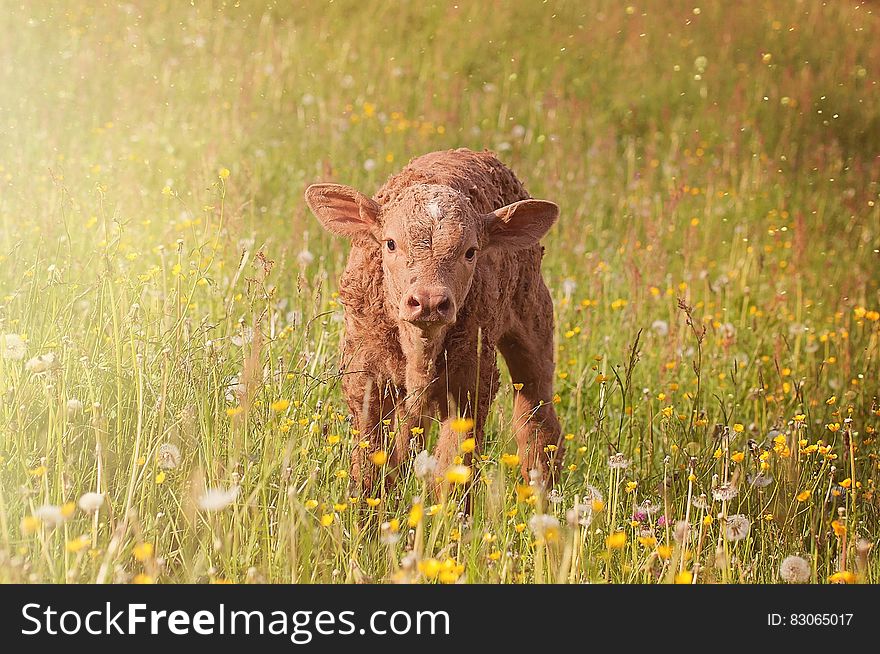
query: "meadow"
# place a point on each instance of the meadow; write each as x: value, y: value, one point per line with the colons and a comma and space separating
x: 169, y: 327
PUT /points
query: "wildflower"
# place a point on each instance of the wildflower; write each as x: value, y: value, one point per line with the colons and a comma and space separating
x: 511, y: 460
x: 373, y: 502
x: 91, y: 502
x: 450, y: 571
x: 684, y: 577
x: 842, y: 577
x: 142, y: 551
x: 761, y: 480
x: 664, y: 552
x: 839, y: 528
x: 738, y: 428
x: 279, y: 406
x: 390, y: 532
x: 217, y: 499
x: 379, y: 458
x: 168, y: 456
x: 660, y: 327
x: 462, y: 425
x: 12, y: 347
x: 700, y: 502
x: 618, y: 462
x: 804, y: 495
x: 724, y: 492
x: 458, y: 474
x: 545, y: 527
x: 737, y: 527
x: 415, y: 514
x: 77, y: 544
x: 468, y: 445
x: 142, y: 578
x: 616, y: 540
x: 326, y: 519
x: 305, y: 257
x: 50, y: 514
x: 429, y: 568
x: 30, y: 524
x: 74, y: 407
x: 223, y: 173
x: 310, y: 504
x: 41, y: 363
x: 794, y: 570
x: 424, y: 466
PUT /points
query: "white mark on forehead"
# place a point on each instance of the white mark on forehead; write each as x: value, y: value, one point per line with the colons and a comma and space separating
x: 433, y: 208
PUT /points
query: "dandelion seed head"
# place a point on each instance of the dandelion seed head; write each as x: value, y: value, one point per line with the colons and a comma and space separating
x: 794, y: 570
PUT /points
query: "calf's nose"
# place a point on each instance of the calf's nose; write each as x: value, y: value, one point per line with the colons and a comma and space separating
x: 429, y: 304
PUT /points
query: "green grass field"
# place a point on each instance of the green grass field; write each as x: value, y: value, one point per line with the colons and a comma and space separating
x: 169, y: 334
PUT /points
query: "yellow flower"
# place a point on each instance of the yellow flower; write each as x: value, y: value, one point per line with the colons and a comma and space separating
x: 707, y: 520
x: 833, y: 426
x: 68, y: 509
x: 30, y: 524
x: 326, y: 519
x: 523, y: 492
x: 468, y: 445
x: 223, y: 173
x: 684, y: 577
x: 379, y: 457
x: 494, y: 556
x: 738, y: 428
x: 160, y: 478
x: 597, y: 505
x: 647, y: 541
x: 616, y: 540
x: 415, y: 514
x: 234, y: 411
x: 373, y: 501
x: 461, y: 425
x: 511, y: 460
x: 631, y: 486
x: 142, y: 551
x: 339, y: 506
x: 311, y: 504
x: 738, y: 457
x: 430, y: 568
x: 664, y: 552
x: 77, y: 544
x: 142, y: 579
x: 846, y: 483
x: 39, y: 471
x: 279, y: 406
x: 804, y: 495
x: 842, y: 577
x: 520, y: 527
x: 839, y: 528
x: 667, y: 411
x: 458, y: 474
x: 517, y: 387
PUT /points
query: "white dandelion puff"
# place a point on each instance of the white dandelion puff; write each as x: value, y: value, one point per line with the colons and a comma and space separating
x: 168, y: 456
x: 12, y: 347
x: 305, y: 257
x: 425, y: 465
x: 74, y: 407
x: 544, y: 526
x: 618, y: 462
x: 41, y: 363
x: 724, y: 492
x: 50, y: 514
x: 91, y: 502
x: 794, y: 570
x: 217, y: 499
x: 660, y: 327
x: 737, y: 527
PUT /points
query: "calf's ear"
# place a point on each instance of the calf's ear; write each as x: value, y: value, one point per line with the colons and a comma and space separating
x: 519, y: 225
x: 344, y: 211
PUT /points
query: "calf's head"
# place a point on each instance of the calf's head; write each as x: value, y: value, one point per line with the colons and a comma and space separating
x: 431, y: 239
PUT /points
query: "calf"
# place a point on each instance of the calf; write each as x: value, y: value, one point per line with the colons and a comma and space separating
x: 445, y: 268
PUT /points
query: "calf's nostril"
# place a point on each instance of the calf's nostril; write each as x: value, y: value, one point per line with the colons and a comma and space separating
x: 444, y: 306
x: 413, y: 302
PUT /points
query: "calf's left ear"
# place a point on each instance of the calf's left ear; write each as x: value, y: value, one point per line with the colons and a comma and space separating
x: 519, y: 225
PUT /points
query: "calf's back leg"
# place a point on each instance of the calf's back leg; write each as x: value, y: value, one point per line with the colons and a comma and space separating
x: 528, y: 350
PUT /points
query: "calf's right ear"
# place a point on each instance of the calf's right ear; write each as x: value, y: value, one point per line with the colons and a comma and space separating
x: 344, y: 211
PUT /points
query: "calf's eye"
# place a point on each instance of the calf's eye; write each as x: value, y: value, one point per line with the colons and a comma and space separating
x: 470, y: 254
x: 392, y: 246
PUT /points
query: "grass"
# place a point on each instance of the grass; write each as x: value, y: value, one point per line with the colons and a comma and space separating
x: 714, y: 275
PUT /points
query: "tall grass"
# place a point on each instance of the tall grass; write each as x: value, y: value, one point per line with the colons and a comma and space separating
x: 714, y: 274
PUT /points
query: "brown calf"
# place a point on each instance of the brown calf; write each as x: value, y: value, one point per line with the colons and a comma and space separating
x: 445, y: 267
